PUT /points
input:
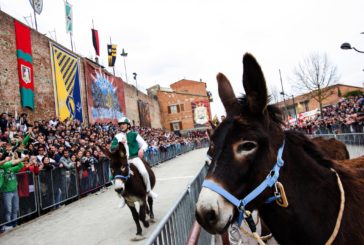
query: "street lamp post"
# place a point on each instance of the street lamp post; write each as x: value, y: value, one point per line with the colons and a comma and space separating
x: 347, y: 46
x: 136, y: 82
x: 123, y: 54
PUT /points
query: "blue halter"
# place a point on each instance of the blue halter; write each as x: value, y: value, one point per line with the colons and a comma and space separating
x: 269, y: 181
x: 124, y: 177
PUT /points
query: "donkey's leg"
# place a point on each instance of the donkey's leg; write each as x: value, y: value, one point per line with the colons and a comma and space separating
x: 150, y: 204
x: 147, y: 210
x: 135, y: 214
x: 142, y: 215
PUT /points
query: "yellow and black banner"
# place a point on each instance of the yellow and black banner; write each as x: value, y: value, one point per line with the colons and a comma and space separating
x: 111, y: 51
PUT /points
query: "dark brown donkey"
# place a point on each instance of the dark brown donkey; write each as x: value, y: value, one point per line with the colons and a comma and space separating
x: 251, y: 154
x: 131, y: 186
x: 332, y: 148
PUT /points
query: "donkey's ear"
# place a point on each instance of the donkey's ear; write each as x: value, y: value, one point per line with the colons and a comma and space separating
x: 227, y: 95
x: 254, y: 85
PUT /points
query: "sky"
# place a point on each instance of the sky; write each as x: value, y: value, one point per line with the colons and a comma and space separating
x: 167, y: 41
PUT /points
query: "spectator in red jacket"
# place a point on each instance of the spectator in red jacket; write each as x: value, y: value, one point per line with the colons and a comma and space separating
x: 26, y: 177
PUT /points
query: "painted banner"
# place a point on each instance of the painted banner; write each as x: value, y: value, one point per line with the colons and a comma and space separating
x: 25, y: 64
x: 66, y: 83
x: 144, y: 114
x: 105, y: 95
x: 69, y: 17
x: 201, y: 113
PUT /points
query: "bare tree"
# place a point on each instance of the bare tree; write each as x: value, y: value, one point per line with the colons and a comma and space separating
x: 314, y: 75
x: 274, y: 94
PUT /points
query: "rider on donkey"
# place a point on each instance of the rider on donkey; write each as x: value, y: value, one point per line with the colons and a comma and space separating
x: 135, y: 146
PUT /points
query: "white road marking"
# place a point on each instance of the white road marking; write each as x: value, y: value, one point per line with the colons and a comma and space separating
x: 173, y: 178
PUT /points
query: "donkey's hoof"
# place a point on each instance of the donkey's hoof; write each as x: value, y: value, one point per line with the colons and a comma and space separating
x: 151, y: 220
x: 146, y: 224
x: 137, y: 238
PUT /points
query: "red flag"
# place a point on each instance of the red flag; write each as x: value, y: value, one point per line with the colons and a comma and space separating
x: 95, y: 40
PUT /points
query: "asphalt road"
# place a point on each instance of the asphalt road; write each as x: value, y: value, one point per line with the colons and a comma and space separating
x: 97, y: 219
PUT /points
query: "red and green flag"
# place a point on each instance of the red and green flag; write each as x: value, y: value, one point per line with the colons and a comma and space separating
x: 25, y: 64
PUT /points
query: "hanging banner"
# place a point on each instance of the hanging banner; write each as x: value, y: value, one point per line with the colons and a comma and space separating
x: 201, y: 113
x: 111, y: 54
x: 69, y: 17
x: 144, y: 114
x: 95, y: 41
x: 37, y: 5
x: 105, y: 95
x: 66, y: 83
x: 25, y: 64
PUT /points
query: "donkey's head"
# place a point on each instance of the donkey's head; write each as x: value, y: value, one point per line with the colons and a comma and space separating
x: 119, y: 167
x: 243, y: 148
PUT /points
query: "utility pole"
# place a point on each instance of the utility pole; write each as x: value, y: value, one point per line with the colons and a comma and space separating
x: 283, y: 94
x: 294, y: 107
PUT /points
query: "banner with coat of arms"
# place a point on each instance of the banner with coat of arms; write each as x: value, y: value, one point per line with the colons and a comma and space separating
x: 201, y: 112
x: 25, y: 64
x: 66, y: 83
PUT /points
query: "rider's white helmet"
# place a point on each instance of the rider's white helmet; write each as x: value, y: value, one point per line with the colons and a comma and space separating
x: 124, y: 120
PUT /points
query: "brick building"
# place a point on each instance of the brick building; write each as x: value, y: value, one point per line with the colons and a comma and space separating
x: 183, y: 106
x: 44, y: 91
x: 304, y: 103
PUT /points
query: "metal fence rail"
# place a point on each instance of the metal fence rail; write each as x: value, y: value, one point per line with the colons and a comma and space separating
x: 54, y: 187
x: 176, y: 225
x: 353, y: 141
x: 155, y: 156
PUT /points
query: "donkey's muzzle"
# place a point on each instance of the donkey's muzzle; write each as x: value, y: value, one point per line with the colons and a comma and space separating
x: 119, y: 190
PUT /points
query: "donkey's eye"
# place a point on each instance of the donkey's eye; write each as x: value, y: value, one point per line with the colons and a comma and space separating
x: 246, y: 146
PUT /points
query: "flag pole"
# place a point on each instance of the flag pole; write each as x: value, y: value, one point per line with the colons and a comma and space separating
x: 70, y: 35
x: 113, y: 67
x: 124, y: 55
x: 35, y: 16
x: 71, y: 41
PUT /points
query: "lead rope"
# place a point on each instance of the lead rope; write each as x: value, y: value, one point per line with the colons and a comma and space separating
x: 235, y: 236
x: 341, y: 210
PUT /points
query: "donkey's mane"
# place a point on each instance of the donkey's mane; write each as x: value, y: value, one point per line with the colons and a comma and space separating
x: 298, y: 138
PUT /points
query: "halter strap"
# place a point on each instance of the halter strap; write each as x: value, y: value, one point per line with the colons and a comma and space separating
x: 119, y: 176
x: 269, y: 181
x: 125, y: 177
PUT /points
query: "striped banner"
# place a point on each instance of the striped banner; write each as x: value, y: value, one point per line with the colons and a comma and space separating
x: 111, y: 52
x: 67, y: 84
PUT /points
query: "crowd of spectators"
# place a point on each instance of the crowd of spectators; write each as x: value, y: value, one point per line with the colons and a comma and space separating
x: 69, y: 146
x: 346, y: 116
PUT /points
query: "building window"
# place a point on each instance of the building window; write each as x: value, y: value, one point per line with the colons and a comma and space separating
x: 173, y: 109
x: 182, y: 107
x: 306, y: 105
x: 176, y: 126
